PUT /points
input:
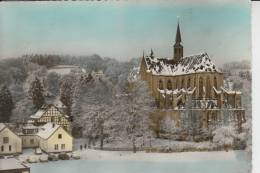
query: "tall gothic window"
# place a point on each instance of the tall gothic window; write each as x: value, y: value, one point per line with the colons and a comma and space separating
x: 215, y: 82
x: 182, y: 83
x: 169, y: 85
x: 200, y: 87
x: 188, y: 83
x: 160, y: 85
x: 208, y: 89
x: 177, y: 84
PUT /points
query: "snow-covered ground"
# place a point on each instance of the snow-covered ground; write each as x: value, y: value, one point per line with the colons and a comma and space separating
x: 90, y: 154
x: 96, y: 161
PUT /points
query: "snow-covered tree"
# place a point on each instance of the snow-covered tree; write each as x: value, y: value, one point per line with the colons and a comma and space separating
x: 167, y: 125
x: 93, y: 108
x: 36, y: 93
x: 6, y: 104
x: 224, y: 136
x: 69, y: 86
x: 245, y: 137
x: 138, y: 105
x: 53, y: 84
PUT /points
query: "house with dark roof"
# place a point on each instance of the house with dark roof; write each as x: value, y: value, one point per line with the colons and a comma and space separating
x: 51, y: 113
x: 190, y: 82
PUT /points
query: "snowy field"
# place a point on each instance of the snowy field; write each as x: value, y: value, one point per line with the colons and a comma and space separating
x: 95, y: 161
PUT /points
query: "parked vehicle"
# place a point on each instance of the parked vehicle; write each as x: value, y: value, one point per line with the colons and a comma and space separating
x: 64, y: 156
x: 75, y: 156
x: 10, y: 156
x: 52, y: 157
x: 43, y: 158
x: 32, y: 159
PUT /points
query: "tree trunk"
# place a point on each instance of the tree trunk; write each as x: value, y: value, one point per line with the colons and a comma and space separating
x: 134, y: 146
x: 101, y: 138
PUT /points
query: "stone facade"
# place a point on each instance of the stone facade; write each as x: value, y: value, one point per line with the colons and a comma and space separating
x: 192, y: 83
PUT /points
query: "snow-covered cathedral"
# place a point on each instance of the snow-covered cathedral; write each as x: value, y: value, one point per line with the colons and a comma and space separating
x: 191, y: 85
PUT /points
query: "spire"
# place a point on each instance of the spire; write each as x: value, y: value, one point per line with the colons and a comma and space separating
x: 178, y: 35
x: 177, y: 48
x: 151, y: 54
x: 143, y: 53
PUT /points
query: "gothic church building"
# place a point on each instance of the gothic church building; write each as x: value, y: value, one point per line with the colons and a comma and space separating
x: 194, y: 83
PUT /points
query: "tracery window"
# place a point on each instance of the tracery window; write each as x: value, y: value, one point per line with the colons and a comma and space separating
x: 208, y: 89
x: 200, y: 87
x: 188, y: 83
x: 169, y: 85
x: 160, y: 85
x: 215, y: 82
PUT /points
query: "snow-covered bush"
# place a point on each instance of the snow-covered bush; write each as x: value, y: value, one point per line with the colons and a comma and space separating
x: 224, y: 136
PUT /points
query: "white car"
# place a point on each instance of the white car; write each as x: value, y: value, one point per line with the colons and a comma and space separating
x: 43, y: 158
x: 38, y: 151
x: 32, y: 159
x: 75, y: 156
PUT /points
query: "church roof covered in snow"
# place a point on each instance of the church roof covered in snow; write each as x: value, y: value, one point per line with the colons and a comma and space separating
x: 186, y: 65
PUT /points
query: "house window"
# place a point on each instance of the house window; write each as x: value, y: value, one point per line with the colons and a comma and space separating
x: 31, y: 141
x: 62, y: 146
x: 2, y: 148
x: 10, y: 147
x: 59, y: 136
x: 56, y: 147
x: 5, y: 140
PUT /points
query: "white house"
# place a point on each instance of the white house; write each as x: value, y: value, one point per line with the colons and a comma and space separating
x: 29, y: 137
x: 66, y: 69
x: 10, y: 143
x: 53, y: 139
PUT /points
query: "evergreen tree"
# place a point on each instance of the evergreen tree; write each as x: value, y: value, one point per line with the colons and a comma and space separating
x: 6, y: 104
x: 66, y: 96
x: 36, y: 93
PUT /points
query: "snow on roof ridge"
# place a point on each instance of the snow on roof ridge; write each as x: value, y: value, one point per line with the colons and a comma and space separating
x: 2, y: 126
x: 176, y: 91
x: 196, y: 54
x: 47, y: 130
x: 230, y: 91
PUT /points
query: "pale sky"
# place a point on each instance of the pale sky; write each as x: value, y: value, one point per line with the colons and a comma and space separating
x: 123, y: 29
